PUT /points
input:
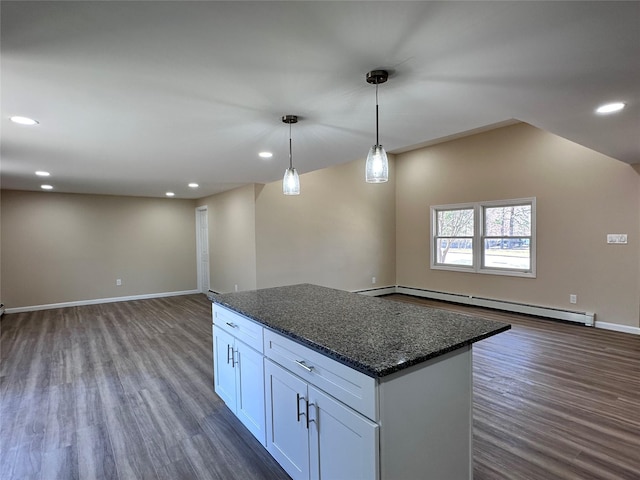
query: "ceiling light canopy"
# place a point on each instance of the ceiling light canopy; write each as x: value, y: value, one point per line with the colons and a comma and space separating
x: 23, y: 120
x: 291, y: 180
x: 377, y: 166
x: 610, y: 107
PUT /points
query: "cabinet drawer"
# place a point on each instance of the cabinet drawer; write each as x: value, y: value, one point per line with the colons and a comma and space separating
x: 242, y: 328
x: 351, y: 387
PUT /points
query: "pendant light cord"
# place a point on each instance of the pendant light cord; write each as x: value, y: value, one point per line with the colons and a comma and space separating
x: 377, y: 139
x: 290, y: 155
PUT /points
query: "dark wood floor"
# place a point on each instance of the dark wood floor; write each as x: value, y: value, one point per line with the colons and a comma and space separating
x: 119, y: 391
x: 553, y: 400
x: 124, y: 391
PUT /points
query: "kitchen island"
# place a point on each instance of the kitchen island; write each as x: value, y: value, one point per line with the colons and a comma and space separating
x: 338, y: 385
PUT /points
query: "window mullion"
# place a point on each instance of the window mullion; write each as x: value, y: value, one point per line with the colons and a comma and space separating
x: 477, y: 227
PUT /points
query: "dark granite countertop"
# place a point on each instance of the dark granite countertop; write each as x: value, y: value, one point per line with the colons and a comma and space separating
x: 372, y: 335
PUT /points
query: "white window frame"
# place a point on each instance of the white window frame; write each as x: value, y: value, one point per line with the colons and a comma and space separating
x: 478, y: 238
x: 434, y: 234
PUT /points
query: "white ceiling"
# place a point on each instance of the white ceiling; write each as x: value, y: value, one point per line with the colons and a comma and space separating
x: 138, y: 98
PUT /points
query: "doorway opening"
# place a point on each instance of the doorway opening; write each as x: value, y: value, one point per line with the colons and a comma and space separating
x: 202, y: 248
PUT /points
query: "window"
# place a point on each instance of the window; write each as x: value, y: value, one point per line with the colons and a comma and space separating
x: 486, y: 237
x: 454, y: 236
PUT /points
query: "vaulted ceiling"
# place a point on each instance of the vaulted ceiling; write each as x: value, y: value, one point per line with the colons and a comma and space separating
x: 138, y: 98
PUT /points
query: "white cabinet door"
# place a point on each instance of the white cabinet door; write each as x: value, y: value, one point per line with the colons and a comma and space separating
x: 239, y: 380
x: 343, y: 443
x: 287, y: 433
x: 250, y: 390
x: 224, y: 373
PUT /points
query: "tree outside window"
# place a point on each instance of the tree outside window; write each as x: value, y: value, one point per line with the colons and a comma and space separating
x: 455, y: 236
x: 507, y: 237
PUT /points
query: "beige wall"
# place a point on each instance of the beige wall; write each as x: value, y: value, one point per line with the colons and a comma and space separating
x: 581, y: 196
x: 339, y: 232
x: 68, y: 247
x: 232, y: 239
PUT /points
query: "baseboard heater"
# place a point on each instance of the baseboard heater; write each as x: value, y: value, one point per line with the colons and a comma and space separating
x: 587, y: 318
x: 377, y: 292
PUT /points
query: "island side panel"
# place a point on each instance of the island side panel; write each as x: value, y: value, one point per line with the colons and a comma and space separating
x: 426, y: 419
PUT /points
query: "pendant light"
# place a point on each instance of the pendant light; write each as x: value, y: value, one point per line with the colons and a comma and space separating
x: 377, y: 166
x: 291, y: 180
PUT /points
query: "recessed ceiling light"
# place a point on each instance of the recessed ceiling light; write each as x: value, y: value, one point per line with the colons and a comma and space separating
x: 169, y: 194
x: 42, y: 173
x: 46, y: 187
x: 265, y: 154
x: 610, y: 107
x: 193, y: 185
x: 24, y: 120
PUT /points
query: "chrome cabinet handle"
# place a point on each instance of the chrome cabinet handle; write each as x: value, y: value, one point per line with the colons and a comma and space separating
x: 308, y: 419
x: 231, y: 353
x: 304, y: 365
x: 298, y: 412
x: 306, y: 410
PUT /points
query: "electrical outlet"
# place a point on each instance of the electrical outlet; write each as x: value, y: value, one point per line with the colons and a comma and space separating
x: 617, y: 238
x: 573, y: 298
x: 118, y: 282
x: 373, y: 280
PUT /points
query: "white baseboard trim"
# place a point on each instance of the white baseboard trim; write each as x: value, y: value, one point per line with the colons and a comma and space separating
x: 375, y: 292
x: 97, y: 301
x: 617, y: 327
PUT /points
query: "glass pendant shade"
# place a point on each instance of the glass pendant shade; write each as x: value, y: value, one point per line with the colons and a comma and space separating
x: 291, y: 182
x: 377, y: 166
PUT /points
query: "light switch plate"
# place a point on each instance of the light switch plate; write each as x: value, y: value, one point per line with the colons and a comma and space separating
x: 617, y: 238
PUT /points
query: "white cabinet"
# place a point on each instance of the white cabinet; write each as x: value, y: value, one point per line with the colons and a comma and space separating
x: 400, y: 426
x: 287, y: 432
x: 224, y: 372
x: 352, y: 388
x: 238, y: 369
x: 322, y: 420
x: 312, y: 435
x: 343, y: 444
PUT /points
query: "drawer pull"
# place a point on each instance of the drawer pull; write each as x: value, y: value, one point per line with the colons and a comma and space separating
x: 304, y: 365
x: 231, y: 324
